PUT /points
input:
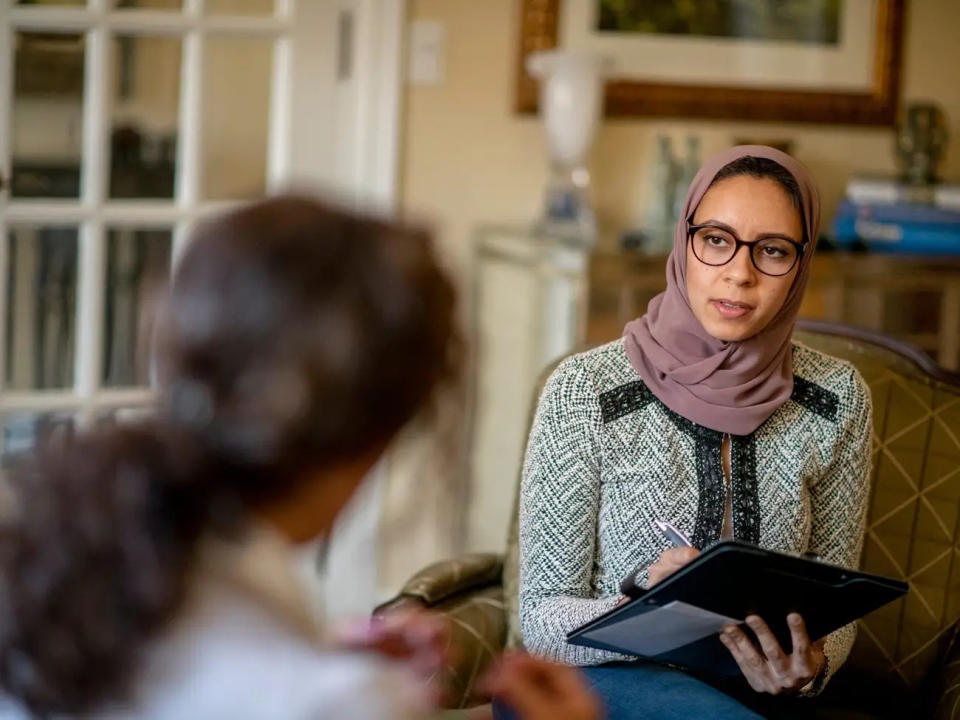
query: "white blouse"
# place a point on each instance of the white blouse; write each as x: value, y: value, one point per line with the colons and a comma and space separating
x: 246, y: 644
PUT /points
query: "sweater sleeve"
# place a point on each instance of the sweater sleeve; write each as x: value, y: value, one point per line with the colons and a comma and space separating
x: 559, y: 504
x: 838, y: 506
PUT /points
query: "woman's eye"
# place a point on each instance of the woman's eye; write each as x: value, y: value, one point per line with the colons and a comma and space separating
x: 717, y: 241
x: 772, y: 251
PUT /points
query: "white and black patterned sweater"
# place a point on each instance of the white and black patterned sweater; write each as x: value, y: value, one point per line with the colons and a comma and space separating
x: 605, y: 459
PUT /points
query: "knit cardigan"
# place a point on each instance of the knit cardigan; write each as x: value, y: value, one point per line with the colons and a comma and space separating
x: 605, y: 459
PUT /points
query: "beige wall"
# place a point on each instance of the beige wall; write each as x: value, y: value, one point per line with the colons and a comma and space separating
x: 469, y: 159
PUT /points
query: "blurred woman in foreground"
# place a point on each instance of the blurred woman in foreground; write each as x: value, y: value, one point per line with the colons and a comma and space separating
x: 146, y: 569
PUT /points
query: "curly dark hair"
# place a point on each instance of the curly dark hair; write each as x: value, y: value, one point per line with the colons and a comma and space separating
x: 760, y: 167
x: 94, y: 553
x: 295, y: 335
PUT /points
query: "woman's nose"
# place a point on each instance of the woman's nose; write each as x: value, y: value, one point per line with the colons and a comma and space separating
x: 740, y: 269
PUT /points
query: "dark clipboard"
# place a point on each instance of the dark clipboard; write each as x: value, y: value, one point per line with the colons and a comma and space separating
x: 737, y: 579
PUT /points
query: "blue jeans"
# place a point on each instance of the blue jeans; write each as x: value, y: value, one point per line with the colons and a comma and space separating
x: 646, y: 691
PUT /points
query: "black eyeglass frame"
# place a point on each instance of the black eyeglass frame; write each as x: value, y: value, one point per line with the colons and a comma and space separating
x: 692, y: 229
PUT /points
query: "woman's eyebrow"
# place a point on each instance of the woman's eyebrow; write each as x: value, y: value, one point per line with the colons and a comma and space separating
x: 761, y: 236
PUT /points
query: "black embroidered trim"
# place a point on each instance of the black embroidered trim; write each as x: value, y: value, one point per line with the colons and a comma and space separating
x: 816, y: 399
x: 711, y: 500
x: 712, y: 487
x: 683, y: 425
x: 621, y: 401
x: 616, y: 403
x: 745, y: 490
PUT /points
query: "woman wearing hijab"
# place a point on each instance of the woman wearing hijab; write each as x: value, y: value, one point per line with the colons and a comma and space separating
x: 707, y: 415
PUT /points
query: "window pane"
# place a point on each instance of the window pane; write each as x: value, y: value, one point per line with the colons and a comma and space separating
x: 236, y: 103
x: 138, y: 266
x: 41, y: 302
x: 20, y: 432
x: 47, y: 115
x: 239, y: 7
x: 146, y: 92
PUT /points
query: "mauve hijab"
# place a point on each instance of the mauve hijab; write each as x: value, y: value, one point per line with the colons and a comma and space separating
x: 731, y: 387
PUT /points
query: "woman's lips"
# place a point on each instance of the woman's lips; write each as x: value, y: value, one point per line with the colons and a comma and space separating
x: 731, y: 308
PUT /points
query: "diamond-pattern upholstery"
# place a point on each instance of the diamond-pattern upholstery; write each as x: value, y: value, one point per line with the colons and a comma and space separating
x: 899, y: 663
x: 913, y: 529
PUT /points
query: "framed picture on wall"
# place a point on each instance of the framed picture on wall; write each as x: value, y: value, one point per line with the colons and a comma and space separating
x: 830, y: 61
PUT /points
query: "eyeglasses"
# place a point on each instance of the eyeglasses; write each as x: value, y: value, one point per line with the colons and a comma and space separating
x: 713, y: 245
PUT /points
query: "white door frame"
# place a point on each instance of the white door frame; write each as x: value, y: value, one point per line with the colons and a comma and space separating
x: 362, y: 166
x: 350, y: 144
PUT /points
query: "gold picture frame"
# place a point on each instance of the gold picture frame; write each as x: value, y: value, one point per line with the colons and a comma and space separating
x: 877, y: 105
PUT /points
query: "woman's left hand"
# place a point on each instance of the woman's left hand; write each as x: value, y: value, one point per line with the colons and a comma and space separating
x: 769, y: 669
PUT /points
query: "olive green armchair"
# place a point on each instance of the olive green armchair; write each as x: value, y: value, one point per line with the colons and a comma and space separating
x: 906, y: 660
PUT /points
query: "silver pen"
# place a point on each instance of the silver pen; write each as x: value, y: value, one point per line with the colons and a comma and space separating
x: 677, y: 538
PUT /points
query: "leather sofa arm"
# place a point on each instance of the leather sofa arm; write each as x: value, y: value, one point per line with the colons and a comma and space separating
x: 468, y: 594
x: 448, y: 578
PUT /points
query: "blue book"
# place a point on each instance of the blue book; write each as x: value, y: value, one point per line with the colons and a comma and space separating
x: 919, y: 238
x: 901, y: 213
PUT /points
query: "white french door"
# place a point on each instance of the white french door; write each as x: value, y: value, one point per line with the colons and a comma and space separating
x: 121, y: 123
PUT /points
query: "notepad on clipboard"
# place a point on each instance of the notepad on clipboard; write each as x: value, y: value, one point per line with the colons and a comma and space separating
x: 679, y: 620
x: 663, y: 628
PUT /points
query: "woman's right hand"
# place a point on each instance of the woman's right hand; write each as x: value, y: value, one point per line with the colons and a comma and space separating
x: 535, y: 689
x: 669, y: 562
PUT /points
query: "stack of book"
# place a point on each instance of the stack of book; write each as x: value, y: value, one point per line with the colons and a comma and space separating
x: 885, y: 214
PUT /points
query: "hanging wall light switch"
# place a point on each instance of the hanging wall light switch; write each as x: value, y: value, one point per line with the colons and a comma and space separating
x: 426, y: 49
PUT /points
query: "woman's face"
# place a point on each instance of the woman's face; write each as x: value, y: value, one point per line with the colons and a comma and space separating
x: 736, y: 301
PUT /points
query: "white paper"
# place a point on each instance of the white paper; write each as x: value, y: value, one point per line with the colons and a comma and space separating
x: 657, y: 631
